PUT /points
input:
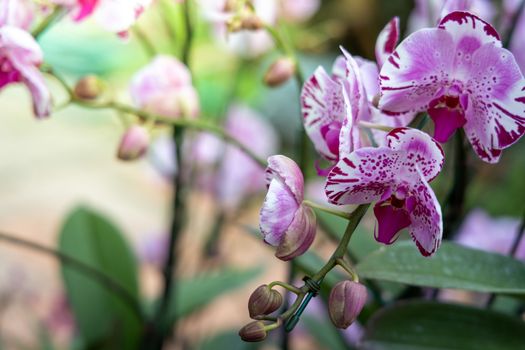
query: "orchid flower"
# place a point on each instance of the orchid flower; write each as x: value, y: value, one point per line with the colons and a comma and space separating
x: 333, y: 106
x: 285, y: 221
x: 20, y: 55
x: 113, y: 15
x: 164, y: 87
x: 462, y: 77
x: 396, y: 178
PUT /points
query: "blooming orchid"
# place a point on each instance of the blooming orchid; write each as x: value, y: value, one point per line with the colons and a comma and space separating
x: 285, y: 221
x: 20, y: 55
x: 333, y: 105
x: 462, y: 77
x: 396, y: 177
x: 164, y: 87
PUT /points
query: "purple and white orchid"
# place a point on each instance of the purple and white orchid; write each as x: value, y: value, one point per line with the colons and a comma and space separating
x: 396, y: 177
x: 20, y: 55
x: 285, y: 221
x: 462, y: 77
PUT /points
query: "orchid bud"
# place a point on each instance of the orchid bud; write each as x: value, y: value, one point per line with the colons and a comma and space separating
x: 134, y: 143
x: 345, y: 303
x: 279, y: 72
x: 251, y: 22
x: 89, y: 88
x: 264, y: 301
x: 253, y: 332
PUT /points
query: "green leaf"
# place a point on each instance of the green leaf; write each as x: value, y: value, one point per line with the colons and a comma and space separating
x: 432, y: 326
x: 226, y: 341
x: 324, y: 333
x: 453, y: 266
x: 101, y: 316
x: 193, y: 294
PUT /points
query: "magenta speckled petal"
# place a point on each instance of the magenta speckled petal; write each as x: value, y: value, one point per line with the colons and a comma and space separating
x: 496, y: 119
x: 363, y: 176
x: 322, y: 105
x: 421, y: 151
x: 426, y: 228
x: 421, y: 65
x: 386, y: 41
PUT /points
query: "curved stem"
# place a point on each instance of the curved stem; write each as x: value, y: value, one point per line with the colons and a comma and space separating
x: 375, y: 126
x: 286, y: 286
x: 58, y: 11
x: 96, y: 275
x: 147, y: 45
x: 335, y: 212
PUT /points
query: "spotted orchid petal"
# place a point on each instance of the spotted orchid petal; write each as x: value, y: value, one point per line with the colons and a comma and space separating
x: 496, y: 115
x: 468, y: 31
x: 386, y: 41
x: 422, y: 151
x: 323, y: 111
x: 299, y: 236
x: 420, y: 66
x: 364, y: 176
x: 426, y: 226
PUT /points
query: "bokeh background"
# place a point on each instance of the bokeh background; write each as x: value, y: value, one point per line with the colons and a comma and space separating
x: 49, y: 167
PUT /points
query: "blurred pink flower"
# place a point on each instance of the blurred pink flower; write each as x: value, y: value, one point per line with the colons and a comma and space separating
x: 164, y: 87
x: 245, y: 43
x: 134, y: 143
x: 113, y: 15
x: 20, y: 57
x: 298, y: 10
x: 481, y: 231
x: 460, y: 74
x: 396, y: 178
x: 16, y: 13
x: 517, y: 44
x: 285, y: 222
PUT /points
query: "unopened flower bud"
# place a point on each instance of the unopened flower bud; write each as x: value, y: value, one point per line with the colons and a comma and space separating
x: 264, y: 301
x: 134, y: 143
x: 253, y: 332
x: 279, y: 72
x: 89, y: 88
x: 251, y: 22
x: 346, y: 301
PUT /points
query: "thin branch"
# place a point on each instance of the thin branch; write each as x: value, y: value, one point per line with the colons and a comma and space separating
x: 96, y: 275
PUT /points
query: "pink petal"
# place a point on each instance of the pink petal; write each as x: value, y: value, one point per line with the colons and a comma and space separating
x: 496, y: 113
x: 369, y: 77
x: 423, y: 151
x: 299, y: 236
x: 446, y: 121
x: 87, y: 7
x: 386, y: 41
x: 277, y: 212
x: 416, y: 71
x: 16, y: 13
x: 390, y: 222
x: 40, y: 93
x: 339, y: 68
x: 426, y: 228
x: 322, y: 105
x: 286, y: 170
x: 119, y: 15
x: 465, y: 25
x: 364, y: 176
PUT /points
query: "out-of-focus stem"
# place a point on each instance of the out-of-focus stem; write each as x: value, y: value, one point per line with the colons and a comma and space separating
x: 144, y: 41
x: 46, y: 23
x: 96, y: 275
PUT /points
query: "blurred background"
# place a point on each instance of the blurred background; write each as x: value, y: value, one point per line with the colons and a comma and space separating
x: 50, y: 167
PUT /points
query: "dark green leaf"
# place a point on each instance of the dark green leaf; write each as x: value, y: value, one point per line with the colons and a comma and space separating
x: 431, y: 326
x: 99, y: 313
x: 195, y: 293
x: 453, y: 266
x: 325, y: 333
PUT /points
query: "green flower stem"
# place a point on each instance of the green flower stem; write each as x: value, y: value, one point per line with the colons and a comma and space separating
x: 147, y: 45
x: 47, y: 22
x: 286, y: 286
x: 346, y: 266
x: 96, y: 275
x: 335, y: 212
